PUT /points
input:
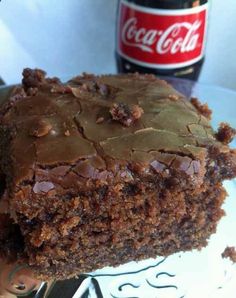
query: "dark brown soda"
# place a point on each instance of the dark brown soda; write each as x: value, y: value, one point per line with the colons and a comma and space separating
x: 190, y: 72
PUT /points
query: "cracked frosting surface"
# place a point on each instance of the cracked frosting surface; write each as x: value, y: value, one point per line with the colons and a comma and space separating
x: 57, y: 123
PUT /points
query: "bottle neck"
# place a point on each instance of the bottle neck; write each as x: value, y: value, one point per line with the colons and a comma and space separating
x: 169, y: 4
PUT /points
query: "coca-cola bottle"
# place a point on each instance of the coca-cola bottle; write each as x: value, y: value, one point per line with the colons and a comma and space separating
x: 164, y: 37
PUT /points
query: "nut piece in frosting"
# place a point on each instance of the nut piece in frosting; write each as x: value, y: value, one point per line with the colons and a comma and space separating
x: 99, y: 120
x: 40, y: 129
x: 125, y: 114
x: 67, y: 133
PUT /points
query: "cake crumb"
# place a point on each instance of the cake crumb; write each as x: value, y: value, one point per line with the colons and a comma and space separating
x: 203, y: 109
x: 125, y: 114
x: 225, y: 133
x: 33, y: 77
x: 229, y: 252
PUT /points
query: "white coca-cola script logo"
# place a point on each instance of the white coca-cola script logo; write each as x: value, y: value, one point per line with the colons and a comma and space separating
x: 162, y: 41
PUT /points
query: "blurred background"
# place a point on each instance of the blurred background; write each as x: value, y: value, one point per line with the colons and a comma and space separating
x: 69, y: 37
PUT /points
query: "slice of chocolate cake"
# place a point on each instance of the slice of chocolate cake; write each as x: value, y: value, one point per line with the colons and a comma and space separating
x: 104, y: 170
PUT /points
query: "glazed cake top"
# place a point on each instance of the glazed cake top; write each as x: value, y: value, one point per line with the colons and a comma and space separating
x: 133, y: 118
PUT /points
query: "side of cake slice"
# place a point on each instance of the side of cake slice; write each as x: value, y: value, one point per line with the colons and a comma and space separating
x: 103, y: 170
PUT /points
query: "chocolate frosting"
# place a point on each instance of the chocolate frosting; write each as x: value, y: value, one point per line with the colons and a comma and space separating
x: 55, y: 123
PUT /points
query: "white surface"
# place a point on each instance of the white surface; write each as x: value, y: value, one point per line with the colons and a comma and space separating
x: 68, y: 37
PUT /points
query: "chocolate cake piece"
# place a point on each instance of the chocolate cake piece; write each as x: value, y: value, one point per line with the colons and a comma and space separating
x: 103, y: 170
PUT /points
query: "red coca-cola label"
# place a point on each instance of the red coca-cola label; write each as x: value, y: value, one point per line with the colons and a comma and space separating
x: 159, y: 37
